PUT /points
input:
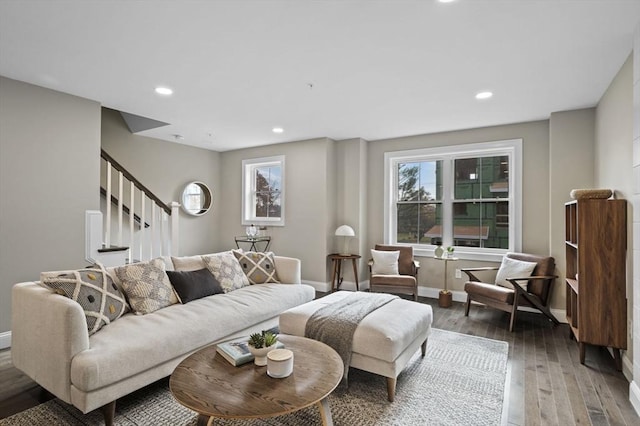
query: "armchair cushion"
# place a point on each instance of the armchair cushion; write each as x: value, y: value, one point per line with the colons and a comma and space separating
x: 490, y: 291
x: 512, y: 268
x: 401, y: 280
x: 384, y: 262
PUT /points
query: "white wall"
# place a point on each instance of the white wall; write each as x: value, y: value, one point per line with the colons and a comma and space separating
x: 49, y: 176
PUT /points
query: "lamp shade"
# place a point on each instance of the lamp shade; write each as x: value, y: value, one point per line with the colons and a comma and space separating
x: 345, y: 231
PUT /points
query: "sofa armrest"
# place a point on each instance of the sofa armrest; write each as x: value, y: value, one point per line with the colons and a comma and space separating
x: 289, y: 270
x: 47, y: 331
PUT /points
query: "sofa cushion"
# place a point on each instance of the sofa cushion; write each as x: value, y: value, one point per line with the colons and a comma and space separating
x: 259, y: 267
x: 146, y: 286
x: 227, y: 270
x: 384, y: 262
x: 512, y: 268
x: 188, y: 263
x: 134, y: 344
x: 100, y: 298
x: 192, y: 285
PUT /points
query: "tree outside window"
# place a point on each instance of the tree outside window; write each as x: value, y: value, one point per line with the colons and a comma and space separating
x: 263, y: 191
x: 455, y: 196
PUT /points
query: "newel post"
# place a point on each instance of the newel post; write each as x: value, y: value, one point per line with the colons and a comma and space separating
x: 174, y: 249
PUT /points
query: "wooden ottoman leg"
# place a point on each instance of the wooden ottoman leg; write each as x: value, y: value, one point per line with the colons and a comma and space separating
x: 423, y: 348
x: 391, y: 388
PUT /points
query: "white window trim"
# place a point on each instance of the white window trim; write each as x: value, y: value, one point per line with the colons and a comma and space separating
x: 248, y: 166
x: 510, y: 147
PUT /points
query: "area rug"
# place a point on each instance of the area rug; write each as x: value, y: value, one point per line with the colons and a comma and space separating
x: 461, y: 381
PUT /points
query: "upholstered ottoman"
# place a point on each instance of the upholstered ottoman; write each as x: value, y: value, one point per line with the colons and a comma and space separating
x: 384, y: 341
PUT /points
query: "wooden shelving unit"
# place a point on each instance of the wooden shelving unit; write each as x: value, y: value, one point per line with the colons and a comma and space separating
x: 596, y: 244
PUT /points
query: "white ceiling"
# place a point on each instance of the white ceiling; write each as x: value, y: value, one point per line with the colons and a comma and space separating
x: 378, y: 69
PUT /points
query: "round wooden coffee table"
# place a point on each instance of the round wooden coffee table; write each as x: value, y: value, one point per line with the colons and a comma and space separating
x: 209, y: 385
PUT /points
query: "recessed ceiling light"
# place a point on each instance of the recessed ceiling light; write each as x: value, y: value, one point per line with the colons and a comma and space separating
x: 446, y: 1
x: 277, y: 130
x: 484, y: 95
x: 164, y: 91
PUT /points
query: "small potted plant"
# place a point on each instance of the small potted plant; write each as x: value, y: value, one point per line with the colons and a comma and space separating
x: 260, y: 344
x: 450, y: 251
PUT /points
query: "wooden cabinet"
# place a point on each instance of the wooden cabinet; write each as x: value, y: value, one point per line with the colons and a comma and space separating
x: 596, y: 243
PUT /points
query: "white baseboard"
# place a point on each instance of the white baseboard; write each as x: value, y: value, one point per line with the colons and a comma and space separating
x: 634, y: 396
x: 5, y: 340
x: 627, y: 367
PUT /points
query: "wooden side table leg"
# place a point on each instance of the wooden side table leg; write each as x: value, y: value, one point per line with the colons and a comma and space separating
x: 325, y: 412
x: 333, y: 274
x: 339, y: 274
x: 355, y: 273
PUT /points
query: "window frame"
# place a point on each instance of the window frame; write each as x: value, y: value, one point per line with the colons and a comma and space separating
x: 248, y: 191
x: 447, y: 154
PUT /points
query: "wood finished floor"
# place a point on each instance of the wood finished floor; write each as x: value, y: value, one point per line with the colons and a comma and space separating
x: 547, y: 384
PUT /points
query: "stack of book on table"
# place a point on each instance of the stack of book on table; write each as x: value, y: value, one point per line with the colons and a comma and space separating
x: 237, y: 351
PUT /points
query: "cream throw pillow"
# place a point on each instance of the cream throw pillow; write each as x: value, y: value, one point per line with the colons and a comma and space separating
x: 384, y: 262
x: 511, y: 268
x: 147, y: 286
x: 227, y: 270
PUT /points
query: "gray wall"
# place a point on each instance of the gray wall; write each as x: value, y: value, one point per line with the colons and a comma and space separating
x: 613, y: 161
x: 165, y: 168
x: 49, y: 170
x: 309, y: 203
x: 572, y: 161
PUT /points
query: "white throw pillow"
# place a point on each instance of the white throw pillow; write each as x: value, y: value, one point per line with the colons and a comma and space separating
x: 384, y: 262
x: 511, y: 268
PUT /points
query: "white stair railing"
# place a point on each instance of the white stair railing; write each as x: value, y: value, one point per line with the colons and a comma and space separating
x: 153, y: 225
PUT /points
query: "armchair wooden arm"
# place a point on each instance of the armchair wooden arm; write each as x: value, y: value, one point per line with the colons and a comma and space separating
x: 471, y: 275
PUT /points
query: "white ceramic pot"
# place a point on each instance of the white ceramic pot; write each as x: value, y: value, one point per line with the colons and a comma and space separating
x: 280, y: 363
x: 260, y: 354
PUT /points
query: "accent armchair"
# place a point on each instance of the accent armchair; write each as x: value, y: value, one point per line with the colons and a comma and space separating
x: 405, y: 281
x: 531, y: 287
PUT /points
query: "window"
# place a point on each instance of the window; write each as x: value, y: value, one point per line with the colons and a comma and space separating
x: 263, y: 191
x: 467, y: 196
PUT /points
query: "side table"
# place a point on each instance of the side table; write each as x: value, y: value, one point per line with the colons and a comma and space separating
x: 445, y: 296
x: 252, y: 241
x: 336, y: 275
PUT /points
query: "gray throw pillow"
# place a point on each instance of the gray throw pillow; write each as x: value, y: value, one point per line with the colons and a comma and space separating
x: 93, y: 289
x: 192, y: 285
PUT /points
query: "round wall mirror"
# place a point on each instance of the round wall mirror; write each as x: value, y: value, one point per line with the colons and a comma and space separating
x: 196, y: 198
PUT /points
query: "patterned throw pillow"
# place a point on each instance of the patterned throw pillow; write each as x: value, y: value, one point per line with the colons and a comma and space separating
x: 147, y: 286
x: 259, y: 267
x: 227, y: 270
x: 93, y: 289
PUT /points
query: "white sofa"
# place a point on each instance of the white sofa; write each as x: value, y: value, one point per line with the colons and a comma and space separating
x: 51, y: 344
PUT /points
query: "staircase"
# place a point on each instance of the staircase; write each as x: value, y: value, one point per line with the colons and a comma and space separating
x: 133, y: 224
